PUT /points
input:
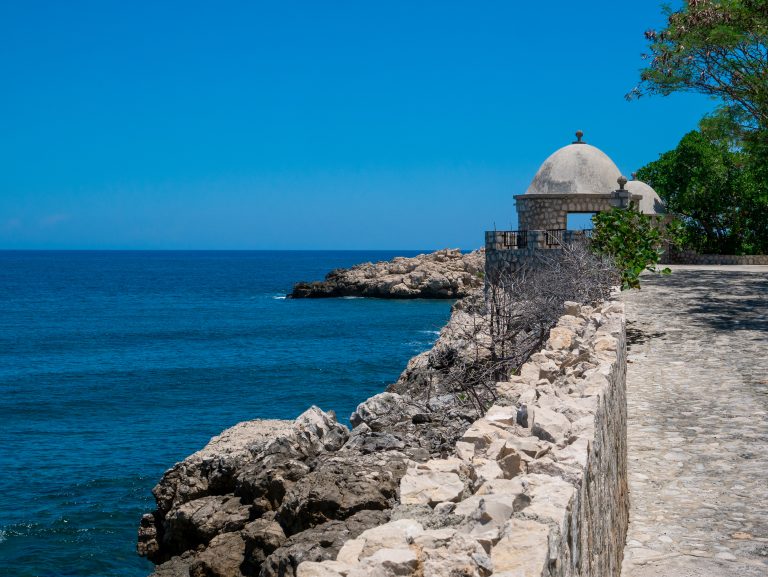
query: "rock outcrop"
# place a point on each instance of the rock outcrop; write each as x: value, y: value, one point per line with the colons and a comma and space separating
x: 265, y: 496
x: 445, y: 274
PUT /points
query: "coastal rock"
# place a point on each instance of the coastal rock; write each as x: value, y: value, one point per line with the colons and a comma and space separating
x: 222, y: 557
x: 211, y: 469
x: 198, y: 521
x: 318, y: 543
x: 244, y: 472
x: 339, y: 488
x: 445, y: 274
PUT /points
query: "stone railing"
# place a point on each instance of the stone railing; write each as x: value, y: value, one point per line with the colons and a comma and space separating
x: 537, y: 487
x: 532, y: 239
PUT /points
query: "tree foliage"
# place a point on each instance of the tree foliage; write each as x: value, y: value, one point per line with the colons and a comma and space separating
x: 715, y: 190
x: 718, y: 48
x: 632, y: 239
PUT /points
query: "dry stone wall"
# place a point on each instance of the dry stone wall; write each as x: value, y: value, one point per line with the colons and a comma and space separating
x: 508, y: 250
x: 535, y: 488
x: 692, y: 257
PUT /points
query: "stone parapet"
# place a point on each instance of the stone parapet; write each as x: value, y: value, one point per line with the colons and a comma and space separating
x: 537, y: 487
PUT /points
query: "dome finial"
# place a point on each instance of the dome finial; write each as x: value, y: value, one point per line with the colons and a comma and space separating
x: 579, y: 135
x: 622, y: 180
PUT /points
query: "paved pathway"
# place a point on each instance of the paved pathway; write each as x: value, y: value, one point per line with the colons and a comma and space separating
x: 698, y: 424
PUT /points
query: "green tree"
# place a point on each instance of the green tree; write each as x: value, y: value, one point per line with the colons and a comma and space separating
x: 718, y: 48
x: 632, y: 239
x: 714, y: 189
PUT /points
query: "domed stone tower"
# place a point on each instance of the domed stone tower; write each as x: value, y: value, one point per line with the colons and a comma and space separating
x: 578, y: 178
x: 649, y: 202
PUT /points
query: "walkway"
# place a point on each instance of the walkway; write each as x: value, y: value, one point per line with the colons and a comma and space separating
x: 698, y: 424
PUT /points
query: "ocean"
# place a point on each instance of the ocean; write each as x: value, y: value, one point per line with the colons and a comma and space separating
x: 114, y: 365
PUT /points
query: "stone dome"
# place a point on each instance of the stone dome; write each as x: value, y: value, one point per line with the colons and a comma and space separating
x: 576, y: 169
x: 650, y: 203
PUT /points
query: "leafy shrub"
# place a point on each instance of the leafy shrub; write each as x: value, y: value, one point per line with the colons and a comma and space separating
x: 633, y: 240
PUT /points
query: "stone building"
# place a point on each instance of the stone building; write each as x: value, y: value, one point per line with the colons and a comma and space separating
x: 576, y: 179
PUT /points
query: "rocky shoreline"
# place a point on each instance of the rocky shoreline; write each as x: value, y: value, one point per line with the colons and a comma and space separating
x: 445, y: 274
x: 266, y: 495
x: 313, y: 498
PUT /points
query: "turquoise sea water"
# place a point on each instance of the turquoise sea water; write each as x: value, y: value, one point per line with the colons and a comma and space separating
x: 115, y: 365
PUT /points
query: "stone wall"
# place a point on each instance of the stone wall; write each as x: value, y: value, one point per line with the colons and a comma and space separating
x: 508, y: 250
x: 537, y: 487
x: 550, y: 211
x: 692, y: 257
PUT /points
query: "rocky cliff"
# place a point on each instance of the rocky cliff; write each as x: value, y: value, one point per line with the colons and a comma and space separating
x: 446, y: 274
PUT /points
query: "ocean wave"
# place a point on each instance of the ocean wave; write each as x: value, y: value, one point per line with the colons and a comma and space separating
x: 350, y: 298
x: 279, y: 297
x: 434, y: 333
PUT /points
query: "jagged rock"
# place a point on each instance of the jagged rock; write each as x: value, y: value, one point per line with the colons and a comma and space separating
x: 482, y: 433
x: 261, y: 538
x: 550, y: 426
x: 222, y: 557
x: 319, y: 543
x: 445, y: 274
x: 339, y: 488
x: 175, y: 567
x: 317, y: 431
x: 211, y: 469
x: 383, y: 411
x: 198, y: 521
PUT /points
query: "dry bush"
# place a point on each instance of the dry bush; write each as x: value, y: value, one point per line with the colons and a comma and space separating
x: 492, y: 334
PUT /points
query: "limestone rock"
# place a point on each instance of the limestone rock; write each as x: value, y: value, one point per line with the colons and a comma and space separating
x: 198, y: 521
x: 445, y: 274
x: 382, y: 411
x: 482, y: 433
x: 322, y: 569
x: 561, y: 338
x: 430, y: 487
x: 212, y: 467
x: 222, y: 557
x: 391, y: 562
x: 550, y: 426
x: 523, y: 550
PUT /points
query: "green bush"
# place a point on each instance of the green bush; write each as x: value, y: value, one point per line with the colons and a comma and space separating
x: 633, y: 240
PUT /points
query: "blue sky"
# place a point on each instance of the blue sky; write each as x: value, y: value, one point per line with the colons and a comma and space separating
x: 299, y: 125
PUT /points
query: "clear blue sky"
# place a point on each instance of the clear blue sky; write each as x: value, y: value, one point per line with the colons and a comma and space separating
x: 293, y: 125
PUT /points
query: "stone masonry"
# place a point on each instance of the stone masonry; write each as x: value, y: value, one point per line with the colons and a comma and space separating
x: 550, y: 211
x: 536, y: 488
x: 697, y: 388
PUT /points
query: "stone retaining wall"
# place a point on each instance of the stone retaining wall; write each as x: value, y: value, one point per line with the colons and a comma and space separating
x: 692, y: 257
x: 536, y: 488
